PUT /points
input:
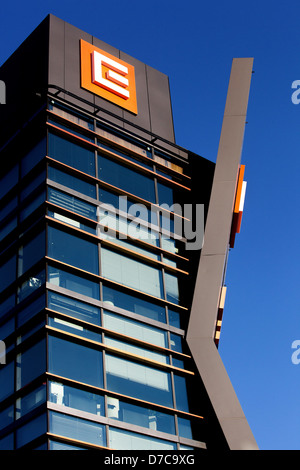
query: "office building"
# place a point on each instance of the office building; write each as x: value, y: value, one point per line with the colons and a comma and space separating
x: 110, y: 303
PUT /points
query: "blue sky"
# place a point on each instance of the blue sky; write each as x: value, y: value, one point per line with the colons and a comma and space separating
x: 261, y: 317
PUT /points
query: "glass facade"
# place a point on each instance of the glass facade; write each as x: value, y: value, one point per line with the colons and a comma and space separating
x: 92, y: 300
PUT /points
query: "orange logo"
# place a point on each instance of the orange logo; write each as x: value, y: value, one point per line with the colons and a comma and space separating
x: 108, y: 77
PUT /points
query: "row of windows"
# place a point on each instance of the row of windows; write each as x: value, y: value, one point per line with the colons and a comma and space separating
x: 85, y: 365
x: 115, y: 266
x: 108, y: 215
x: 110, y: 171
x: 111, y: 139
x: 82, y: 431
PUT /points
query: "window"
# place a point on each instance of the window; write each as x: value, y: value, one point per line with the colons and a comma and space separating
x: 133, y: 304
x: 75, y: 361
x: 62, y: 278
x: 31, y: 284
x: 140, y: 416
x: 135, y: 329
x: 32, y: 205
x: 8, y: 272
x: 30, y: 310
x: 181, y: 393
x: 77, y: 428
x: 120, y: 439
x: 132, y: 228
x: 72, y: 203
x: 9, y: 180
x: 72, y: 222
x: 172, y: 288
x: 74, y: 308
x: 72, y: 182
x: 32, y: 185
x: 138, y: 380
x: 72, y: 154
x: 125, y: 178
x: 7, y: 304
x: 74, y: 328
x: 131, y: 273
x: 6, y: 417
x: 6, y: 380
x: 31, y: 252
x: 72, y: 250
x: 30, y: 401
x: 31, y: 363
x: 33, y: 157
x: 136, y: 350
x: 72, y: 397
x: 31, y: 430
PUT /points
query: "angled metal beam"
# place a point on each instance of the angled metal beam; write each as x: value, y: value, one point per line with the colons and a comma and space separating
x: 202, y: 323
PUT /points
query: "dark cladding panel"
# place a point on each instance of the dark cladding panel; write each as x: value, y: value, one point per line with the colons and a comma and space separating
x: 56, y: 52
x: 143, y: 118
x: 72, y: 62
x: 160, y: 104
x: 25, y: 76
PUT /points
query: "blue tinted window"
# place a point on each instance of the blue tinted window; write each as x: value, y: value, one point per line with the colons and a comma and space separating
x: 30, y: 285
x: 140, y: 416
x: 30, y: 401
x: 75, y: 361
x: 73, y: 328
x: 30, y: 310
x: 33, y: 185
x: 6, y: 380
x: 31, y: 252
x: 11, y: 225
x: 138, y: 380
x: 31, y: 430
x: 62, y: 278
x: 120, y: 439
x: 72, y: 129
x: 72, y: 154
x: 184, y: 428
x: 77, y: 428
x: 73, y: 250
x: 135, y: 329
x: 33, y: 157
x: 128, y: 206
x: 72, y: 203
x: 172, y: 288
x: 165, y: 194
x: 31, y: 363
x: 72, y: 397
x: 174, y: 318
x: 8, y: 207
x: 72, y: 182
x: 131, y: 273
x: 133, y: 304
x: 7, y: 442
x: 72, y: 222
x: 6, y: 417
x: 9, y: 180
x: 124, y: 178
x: 7, y: 304
x: 32, y: 205
x: 7, y: 272
x: 181, y: 393
x: 74, y: 308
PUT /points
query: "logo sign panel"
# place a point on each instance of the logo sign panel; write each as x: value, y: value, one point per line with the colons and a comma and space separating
x: 108, y: 76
